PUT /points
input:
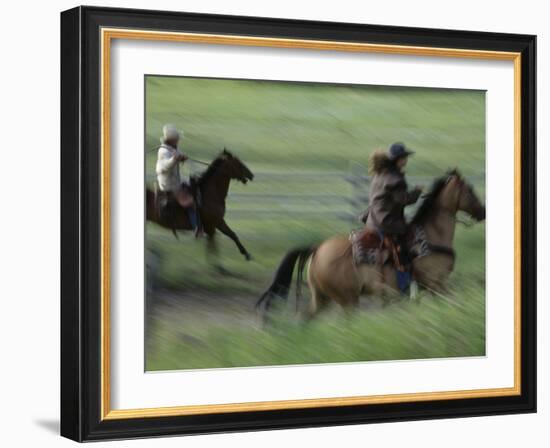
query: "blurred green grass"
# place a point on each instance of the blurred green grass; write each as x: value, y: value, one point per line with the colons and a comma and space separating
x: 294, y: 128
x: 296, y: 125
x: 421, y: 329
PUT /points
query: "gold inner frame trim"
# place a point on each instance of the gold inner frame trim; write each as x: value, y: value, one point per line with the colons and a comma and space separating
x: 107, y: 35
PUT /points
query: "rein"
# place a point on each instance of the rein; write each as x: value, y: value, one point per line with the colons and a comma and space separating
x: 188, y: 158
x: 198, y: 161
x: 469, y: 223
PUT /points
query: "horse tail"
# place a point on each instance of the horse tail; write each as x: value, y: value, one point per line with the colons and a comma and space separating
x: 302, y: 261
x: 149, y: 204
x: 280, y: 286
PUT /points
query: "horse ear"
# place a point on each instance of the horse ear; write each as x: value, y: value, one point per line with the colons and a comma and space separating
x: 454, y: 172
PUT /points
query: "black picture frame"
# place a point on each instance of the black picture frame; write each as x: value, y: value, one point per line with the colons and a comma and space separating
x: 81, y: 224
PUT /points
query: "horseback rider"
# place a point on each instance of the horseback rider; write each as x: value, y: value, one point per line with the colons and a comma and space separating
x: 168, y: 175
x: 388, y: 197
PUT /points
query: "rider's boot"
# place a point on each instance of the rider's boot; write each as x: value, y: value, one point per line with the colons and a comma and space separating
x: 194, y: 220
x: 192, y: 216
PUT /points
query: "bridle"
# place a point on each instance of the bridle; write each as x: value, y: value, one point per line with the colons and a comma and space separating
x: 454, y: 213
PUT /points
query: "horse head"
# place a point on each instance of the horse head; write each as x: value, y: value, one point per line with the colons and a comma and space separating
x: 450, y: 192
x: 458, y: 194
x: 235, y: 168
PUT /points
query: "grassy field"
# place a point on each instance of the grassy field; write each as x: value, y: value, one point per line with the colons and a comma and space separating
x: 296, y: 138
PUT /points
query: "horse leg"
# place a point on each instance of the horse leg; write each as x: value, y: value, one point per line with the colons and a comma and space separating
x: 211, y: 246
x: 226, y: 230
x: 348, y: 299
x: 377, y: 282
x: 317, y: 303
x: 212, y: 252
x: 432, y: 273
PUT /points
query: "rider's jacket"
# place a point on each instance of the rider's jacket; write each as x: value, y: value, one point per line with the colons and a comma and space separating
x: 388, y: 196
x: 167, y: 168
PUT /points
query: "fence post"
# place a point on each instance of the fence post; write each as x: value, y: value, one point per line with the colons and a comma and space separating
x: 359, y: 180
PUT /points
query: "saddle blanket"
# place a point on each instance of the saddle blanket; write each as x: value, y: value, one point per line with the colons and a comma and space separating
x: 367, y: 247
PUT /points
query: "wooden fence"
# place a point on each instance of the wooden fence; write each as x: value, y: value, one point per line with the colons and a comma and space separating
x: 344, y: 194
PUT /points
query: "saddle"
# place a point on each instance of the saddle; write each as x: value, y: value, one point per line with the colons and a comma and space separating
x: 369, y: 246
x: 167, y: 205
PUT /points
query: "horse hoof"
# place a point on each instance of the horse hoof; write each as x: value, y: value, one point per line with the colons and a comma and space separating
x: 221, y: 270
x: 248, y: 257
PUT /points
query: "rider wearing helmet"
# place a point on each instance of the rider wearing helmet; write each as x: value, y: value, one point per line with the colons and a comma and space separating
x: 389, y: 194
x: 388, y: 197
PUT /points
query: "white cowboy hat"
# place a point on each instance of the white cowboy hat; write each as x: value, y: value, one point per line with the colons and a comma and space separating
x: 170, y: 132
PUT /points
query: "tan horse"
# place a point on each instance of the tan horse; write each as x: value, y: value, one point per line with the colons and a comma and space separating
x: 332, y: 274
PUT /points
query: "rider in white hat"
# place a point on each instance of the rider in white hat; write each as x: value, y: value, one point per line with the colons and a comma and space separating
x: 168, y: 173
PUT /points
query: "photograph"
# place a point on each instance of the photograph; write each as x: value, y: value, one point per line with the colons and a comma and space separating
x: 292, y: 223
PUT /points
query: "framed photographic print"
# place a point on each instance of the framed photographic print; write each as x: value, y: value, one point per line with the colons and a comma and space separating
x: 273, y: 223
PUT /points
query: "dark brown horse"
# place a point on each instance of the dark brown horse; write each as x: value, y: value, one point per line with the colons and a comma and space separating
x: 213, y: 184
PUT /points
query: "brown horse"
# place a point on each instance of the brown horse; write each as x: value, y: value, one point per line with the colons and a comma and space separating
x: 333, y: 275
x: 213, y: 185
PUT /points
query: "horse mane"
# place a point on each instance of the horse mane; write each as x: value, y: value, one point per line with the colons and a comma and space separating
x: 203, y: 177
x: 430, y: 197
